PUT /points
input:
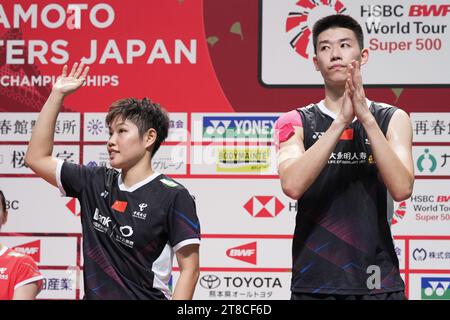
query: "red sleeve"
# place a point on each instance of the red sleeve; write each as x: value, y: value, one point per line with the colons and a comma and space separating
x: 27, y: 272
x: 284, y: 126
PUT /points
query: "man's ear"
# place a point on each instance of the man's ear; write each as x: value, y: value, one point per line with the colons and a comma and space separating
x: 316, y: 63
x: 364, y: 56
x: 150, y: 137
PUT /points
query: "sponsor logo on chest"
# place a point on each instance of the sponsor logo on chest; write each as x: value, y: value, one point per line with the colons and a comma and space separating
x: 101, y: 222
x: 140, y: 214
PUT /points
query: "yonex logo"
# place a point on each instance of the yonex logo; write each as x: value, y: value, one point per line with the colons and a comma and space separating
x: 435, y: 288
x: 264, y: 206
x: 316, y: 135
x: 239, y: 127
x: 217, y: 127
x: 3, y: 270
x: 246, y: 253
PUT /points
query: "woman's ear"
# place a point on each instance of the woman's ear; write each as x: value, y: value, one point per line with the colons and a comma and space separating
x: 150, y: 137
x: 3, y: 218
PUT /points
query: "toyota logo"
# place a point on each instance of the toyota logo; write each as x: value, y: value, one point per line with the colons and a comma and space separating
x: 210, y: 281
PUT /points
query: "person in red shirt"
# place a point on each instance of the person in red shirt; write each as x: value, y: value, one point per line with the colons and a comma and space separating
x: 20, y: 278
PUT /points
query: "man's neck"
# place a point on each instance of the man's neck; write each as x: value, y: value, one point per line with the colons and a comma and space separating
x: 333, y: 98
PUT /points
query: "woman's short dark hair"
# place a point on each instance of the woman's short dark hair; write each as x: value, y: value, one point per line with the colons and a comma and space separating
x: 145, y: 114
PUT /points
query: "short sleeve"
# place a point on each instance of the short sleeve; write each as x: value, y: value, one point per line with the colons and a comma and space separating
x: 184, y: 226
x: 284, y: 126
x: 27, y: 272
x: 71, y: 178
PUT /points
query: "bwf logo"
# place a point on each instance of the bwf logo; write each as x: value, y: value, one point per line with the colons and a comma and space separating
x: 246, y: 253
x: 33, y: 249
x: 286, y: 39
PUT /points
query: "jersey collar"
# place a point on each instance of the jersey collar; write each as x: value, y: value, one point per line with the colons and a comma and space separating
x: 122, y: 186
x: 330, y: 113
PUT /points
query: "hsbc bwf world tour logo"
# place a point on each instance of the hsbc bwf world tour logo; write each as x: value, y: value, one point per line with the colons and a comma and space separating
x: 298, y: 22
x: 286, y: 39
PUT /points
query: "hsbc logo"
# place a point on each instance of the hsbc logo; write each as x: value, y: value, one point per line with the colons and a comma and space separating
x: 246, y: 253
x: 32, y: 249
x: 74, y: 207
x: 12, y: 204
x: 264, y: 206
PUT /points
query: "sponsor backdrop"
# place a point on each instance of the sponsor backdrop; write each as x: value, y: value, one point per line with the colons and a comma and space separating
x: 225, y: 71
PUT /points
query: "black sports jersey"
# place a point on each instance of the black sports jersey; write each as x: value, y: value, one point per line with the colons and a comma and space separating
x: 342, y: 220
x: 129, y: 234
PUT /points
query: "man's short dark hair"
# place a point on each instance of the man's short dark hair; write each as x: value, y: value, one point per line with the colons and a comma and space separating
x: 337, y: 21
x: 145, y: 114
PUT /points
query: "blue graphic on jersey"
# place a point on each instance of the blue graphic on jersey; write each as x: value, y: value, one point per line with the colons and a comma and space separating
x: 304, y: 269
x: 193, y: 224
x: 351, y: 264
x: 321, y: 247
